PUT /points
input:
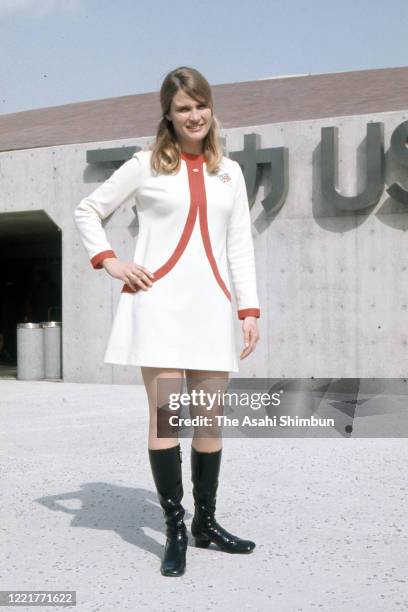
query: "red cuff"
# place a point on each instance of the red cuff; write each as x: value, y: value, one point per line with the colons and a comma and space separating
x: 249, y: 312
x: 99, y: 257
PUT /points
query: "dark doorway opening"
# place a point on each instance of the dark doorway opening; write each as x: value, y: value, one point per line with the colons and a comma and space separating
x: 30, y: 279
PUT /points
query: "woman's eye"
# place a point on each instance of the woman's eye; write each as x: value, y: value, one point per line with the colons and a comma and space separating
x: 184, y: 109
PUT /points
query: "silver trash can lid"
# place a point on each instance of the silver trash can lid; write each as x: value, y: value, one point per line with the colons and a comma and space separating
x: 28, y: 325
x: 50, y: 323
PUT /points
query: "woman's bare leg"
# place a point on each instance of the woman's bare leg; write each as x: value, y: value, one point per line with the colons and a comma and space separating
x: 206, y: 453
x: 165, y: 461
x: 158, y: 396
x: 210, y: 382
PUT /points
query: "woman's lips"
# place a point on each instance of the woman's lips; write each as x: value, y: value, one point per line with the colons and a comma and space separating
x: 195, y: 129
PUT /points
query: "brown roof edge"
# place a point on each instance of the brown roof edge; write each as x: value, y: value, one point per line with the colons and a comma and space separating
x: 272, y: 100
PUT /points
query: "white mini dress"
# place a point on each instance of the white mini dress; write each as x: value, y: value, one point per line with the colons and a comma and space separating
x: 193, y: 227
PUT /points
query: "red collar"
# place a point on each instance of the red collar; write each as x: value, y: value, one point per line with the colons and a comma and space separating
x: 192, y: 156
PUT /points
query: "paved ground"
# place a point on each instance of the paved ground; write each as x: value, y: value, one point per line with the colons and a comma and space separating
x: 79, y: 512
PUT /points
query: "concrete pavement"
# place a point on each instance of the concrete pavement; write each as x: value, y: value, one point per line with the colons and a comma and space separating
x: 79, y: 512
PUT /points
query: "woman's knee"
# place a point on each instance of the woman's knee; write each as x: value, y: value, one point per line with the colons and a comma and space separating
x: 160, y: 384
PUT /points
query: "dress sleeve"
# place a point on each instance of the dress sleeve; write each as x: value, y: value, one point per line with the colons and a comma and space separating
x: 90, y: 212
x: 240, y: 251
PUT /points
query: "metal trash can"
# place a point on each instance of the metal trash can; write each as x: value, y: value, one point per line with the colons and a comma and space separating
x: 30, y: 351
x: 52, y: 348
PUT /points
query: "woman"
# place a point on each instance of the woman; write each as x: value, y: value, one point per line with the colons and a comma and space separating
x: 174, y: 315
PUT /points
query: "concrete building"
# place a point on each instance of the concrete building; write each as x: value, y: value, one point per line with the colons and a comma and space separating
x: 325, y: 161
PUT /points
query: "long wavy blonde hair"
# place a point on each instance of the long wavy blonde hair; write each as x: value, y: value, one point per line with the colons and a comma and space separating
x: 166, y: 151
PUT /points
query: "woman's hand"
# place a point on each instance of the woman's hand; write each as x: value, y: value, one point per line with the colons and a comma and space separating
x: 131, y: 273
x: 251, y: 336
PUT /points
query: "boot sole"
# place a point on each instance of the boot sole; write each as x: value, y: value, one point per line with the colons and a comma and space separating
x: 199, y: 543
x: 172, y: 575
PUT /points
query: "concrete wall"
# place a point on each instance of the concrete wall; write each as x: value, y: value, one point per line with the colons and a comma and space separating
x: 333, y: 286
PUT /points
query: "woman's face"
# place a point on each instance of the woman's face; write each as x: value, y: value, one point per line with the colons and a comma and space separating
x: 191, y: 121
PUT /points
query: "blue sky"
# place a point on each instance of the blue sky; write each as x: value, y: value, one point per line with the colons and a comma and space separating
x: 61, y: 51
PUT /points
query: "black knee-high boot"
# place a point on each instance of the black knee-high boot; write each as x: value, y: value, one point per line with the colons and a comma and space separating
x: 166, y: 469
x: 205, y: 469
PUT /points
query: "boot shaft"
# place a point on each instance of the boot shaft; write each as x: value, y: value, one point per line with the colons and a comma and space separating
x: 165, y: 464
x: 166, y: 469
x: 205, y: 469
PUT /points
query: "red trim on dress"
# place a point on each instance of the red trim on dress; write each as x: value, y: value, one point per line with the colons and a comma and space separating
x: 197, y: 157
x: 207, y: 242
x: 178, y: 251
x: 249, y: 312
x: 198, y: 203
x: 99, y: 257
